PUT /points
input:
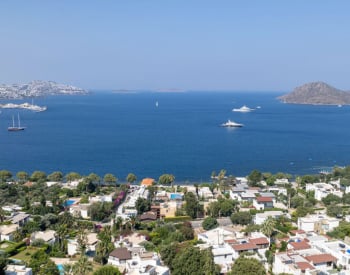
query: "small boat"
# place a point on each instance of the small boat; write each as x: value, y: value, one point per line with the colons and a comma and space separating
x: 231, y: 123
x: 14, y: 128
x: 243, y: 109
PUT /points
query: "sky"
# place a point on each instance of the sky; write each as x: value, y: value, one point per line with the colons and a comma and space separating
x: 181, y: 44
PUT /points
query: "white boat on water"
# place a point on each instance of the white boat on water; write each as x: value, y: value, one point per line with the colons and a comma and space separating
x: 14, y: 128
x: 243, y: 109
x: 231, y: 123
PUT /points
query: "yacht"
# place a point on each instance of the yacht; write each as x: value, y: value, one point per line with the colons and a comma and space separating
x: 14, y: 128
x: 231, y: 123
x: 243, y: 109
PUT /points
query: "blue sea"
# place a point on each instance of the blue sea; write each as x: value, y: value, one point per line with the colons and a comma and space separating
x: 120, y: 133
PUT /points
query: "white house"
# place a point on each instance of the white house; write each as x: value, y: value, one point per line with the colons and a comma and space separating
x: 6, y: 232
x: 80, y: 210
x: 48, y: 236
x: 73, y: 246
x: 291, y: 263
x: 317, y: 223
x: 259, y: 218
x: 205, y: 193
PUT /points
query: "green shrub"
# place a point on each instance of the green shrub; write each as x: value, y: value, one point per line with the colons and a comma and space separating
x: 177, y: 219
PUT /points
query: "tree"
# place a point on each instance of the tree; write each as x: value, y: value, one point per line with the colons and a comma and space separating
x: 41, y: 264
x: 83, y: 266
x: 214, y: 209
x: 61, y: 233
x: 268, y: 226
x: 55, y: 176
x: 192, y: 260
x: 334, y: 210
x: 94, y: 178
x: 5, y: 175
x: 22, y: 176
x: 107, y: 270
x: 166, y: 179
x: 142, y: 205
x: 49, y: 268
x: 105, y: 245
x: 110, y: 179
x: 82, y: 241
x: 38, y: 176
x: 331, y: 198
x: 242, y: 218
x: 209, y: 223
x: 247, y: 266
x: 254, y: 178
x: 3, y: 263
x: 131, y: 178
x: 72, y: 176
x: 192, y: 206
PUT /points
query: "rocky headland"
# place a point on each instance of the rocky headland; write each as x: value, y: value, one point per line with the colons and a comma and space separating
x: 317, y: 93
x: 37, y: 88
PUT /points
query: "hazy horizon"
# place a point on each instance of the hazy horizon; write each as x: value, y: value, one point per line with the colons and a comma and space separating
x: 186, y: 45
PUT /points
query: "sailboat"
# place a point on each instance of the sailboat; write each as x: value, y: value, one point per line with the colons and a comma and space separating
x: 14, y: 128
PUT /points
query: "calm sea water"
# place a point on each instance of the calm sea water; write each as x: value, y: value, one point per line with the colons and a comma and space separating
x: 123, y: 133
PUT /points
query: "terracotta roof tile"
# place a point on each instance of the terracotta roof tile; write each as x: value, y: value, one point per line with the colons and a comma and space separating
x: 264, y: 199
x: 244, y: 246
x: 300, y: 245
x: 258, y: 241
x: 305, y: 265
x: 321, y: 258
x: 147, y: 181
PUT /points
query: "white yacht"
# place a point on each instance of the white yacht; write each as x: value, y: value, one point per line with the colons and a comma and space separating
x: 243, y: 109
x: 231, y: 123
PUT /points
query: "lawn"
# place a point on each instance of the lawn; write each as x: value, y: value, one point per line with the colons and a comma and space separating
x: 25, y: 254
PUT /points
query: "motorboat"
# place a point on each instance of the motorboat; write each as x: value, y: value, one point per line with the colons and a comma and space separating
x: 231, y: 123
x: 243, y: 109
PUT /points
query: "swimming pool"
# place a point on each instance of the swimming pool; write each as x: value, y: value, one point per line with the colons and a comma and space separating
x: 68, y: 202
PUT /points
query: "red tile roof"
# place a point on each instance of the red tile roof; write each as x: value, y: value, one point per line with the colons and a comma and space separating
x: 321, y: 258
x: 300, y: 245
x: 258, y: 241
x: 147, y: 181
x: 264, y: 199
x: 305, y: 265
x: 244, y: 246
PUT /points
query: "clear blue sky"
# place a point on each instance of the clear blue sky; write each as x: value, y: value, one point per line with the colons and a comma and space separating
x: 184, y: 44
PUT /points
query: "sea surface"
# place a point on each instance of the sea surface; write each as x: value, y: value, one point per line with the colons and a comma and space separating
x: 120, y: 133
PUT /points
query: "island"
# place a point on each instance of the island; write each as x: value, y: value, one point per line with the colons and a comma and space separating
x: 316, y: 93
x: 37, y: 88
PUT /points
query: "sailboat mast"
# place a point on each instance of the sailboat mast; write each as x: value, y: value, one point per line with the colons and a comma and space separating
x: 13, y: 121
x: 19, y: 122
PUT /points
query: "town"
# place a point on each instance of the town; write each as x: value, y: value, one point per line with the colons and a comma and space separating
x: 259, y: 224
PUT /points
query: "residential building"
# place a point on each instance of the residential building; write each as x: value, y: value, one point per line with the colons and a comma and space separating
x: 73, y: 246
x: 48, y: 236
x: 6, y: 231
x: 261, y: 203
x: 317, y: 223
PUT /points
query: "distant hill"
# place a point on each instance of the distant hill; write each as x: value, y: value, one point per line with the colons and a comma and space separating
x: 317, y: 93
x: 37, y: 88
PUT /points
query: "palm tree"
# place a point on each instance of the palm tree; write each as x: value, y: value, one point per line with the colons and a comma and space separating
x: 61, y: 232
x: 105, y: 244
x: 83, y: 266
x: 82, y: 241
x: 268, y: 227
x: 133, y: 222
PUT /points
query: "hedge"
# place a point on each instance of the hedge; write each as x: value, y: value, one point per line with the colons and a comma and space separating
x: 177, y: 219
